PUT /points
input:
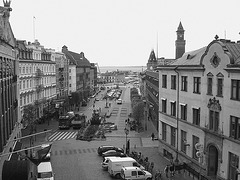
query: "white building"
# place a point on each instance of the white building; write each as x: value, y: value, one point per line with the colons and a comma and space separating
x: 37, y: 75
x: 199, y: 100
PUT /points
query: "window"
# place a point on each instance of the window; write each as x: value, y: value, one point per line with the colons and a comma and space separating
x: 195, y: 141
x: 27, y: 84
x: 20, y: 101
x: 140, y: 173
x: 213, y: 120
x: 235, y: 127
x: 134, y: 173
x: 196, y: 116
x: 173, y: 82
x: 173, y: 136
x: 69, y: 77
x: 20, y: 70
x: 164, y: 105
x: 233, y: 166
x: 219, y: 87
x: 183, y: 111
x: 209, y: 87
x: 183, y: 140
x: 164, y: 81
x: 184, y: 83
x: 196, y: 85
x: 23, y: 84
x: 20, y: 85
x: 173, y: 108
x: 235, y: 90
x: 70, y: 85
x: 23, y: 70
x: 164, y: 131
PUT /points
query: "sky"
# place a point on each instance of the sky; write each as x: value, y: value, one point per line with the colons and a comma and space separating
x: 124, y: 32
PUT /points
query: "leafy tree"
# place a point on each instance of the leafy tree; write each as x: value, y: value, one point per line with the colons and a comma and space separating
x: 138, y: 112
x: 29, y: 118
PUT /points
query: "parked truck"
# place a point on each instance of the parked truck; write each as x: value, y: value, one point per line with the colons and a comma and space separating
x: 115, y: 165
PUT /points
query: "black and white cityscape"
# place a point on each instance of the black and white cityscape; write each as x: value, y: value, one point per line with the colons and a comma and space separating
x: 63, y: 115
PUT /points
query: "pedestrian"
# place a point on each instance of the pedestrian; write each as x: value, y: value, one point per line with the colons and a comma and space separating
x: 151, y: 167
x: 166, y: 170
x: 153, y: 136
x: 172, y: 169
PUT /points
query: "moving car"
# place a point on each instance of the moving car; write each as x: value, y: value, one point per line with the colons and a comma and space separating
x: 105, y: 148
x: 113, y: 153
x: 119, y: 101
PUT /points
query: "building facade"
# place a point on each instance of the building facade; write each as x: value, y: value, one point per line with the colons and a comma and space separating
x: 79, y: 73
x: 150, y: 78
x: 37, y: 76
x: 199, y: 113
x: 62, y: 74
x: 9, y: 124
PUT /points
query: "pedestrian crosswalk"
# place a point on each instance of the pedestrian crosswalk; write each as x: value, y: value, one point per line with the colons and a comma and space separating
x: 61, y: 135
x: 74, y: 151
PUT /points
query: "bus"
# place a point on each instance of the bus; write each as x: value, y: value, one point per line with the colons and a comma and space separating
x: 65, y: 122
x: 79, y: 121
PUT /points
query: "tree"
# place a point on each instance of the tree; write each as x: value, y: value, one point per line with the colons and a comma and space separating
x: 138, y: 112
x: 29, y: 118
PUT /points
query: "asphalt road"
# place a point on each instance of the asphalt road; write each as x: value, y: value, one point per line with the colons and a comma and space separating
x: 74, y: 159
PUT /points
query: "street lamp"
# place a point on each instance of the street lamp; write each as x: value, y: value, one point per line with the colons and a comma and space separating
x: 126, y: 132
x: 145, y: 114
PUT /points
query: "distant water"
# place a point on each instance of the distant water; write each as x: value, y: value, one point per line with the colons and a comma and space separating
x: 104, y: 69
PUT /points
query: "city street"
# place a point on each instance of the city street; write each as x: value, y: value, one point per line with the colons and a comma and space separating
x: 75, y: 159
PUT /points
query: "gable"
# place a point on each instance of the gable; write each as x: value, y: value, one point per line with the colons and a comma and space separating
x: 6, y: 33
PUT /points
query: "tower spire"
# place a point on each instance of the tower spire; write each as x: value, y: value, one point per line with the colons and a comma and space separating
x: 180, y: 42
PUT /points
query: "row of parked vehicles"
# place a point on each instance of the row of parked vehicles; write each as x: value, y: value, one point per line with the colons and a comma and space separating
x: 119, y: 165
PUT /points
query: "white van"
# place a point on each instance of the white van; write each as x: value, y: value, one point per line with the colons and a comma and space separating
x: 106, y: 160
x: 44, y: 170
x: 115, y: 165
x: 132, y: 173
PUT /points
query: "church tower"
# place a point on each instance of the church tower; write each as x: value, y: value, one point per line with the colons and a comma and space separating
x: 152, y: 61
x: 180, y: 42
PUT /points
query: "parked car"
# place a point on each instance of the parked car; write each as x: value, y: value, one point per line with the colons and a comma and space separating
x: 113, y: 153
x: 135, y: 173
x: 119, y: 101
x: 105, y: 148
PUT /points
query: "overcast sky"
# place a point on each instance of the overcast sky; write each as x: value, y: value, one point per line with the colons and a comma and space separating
x: 123, y: 32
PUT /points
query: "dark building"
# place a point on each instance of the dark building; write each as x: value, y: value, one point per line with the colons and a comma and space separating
x: 9, y: 125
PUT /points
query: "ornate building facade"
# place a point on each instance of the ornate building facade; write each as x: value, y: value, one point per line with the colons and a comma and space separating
x: 199, y: 113
x: 9, y: 124
x: 37, y: 76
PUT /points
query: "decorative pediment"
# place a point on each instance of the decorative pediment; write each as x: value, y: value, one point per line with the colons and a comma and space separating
x: 214, y: 104
x: 220, y: 75
x: 215, y: 60
x: 209, y: 74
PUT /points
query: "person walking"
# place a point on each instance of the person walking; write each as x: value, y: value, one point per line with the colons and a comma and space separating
x: 153, y: 136
x: 166, y: 170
